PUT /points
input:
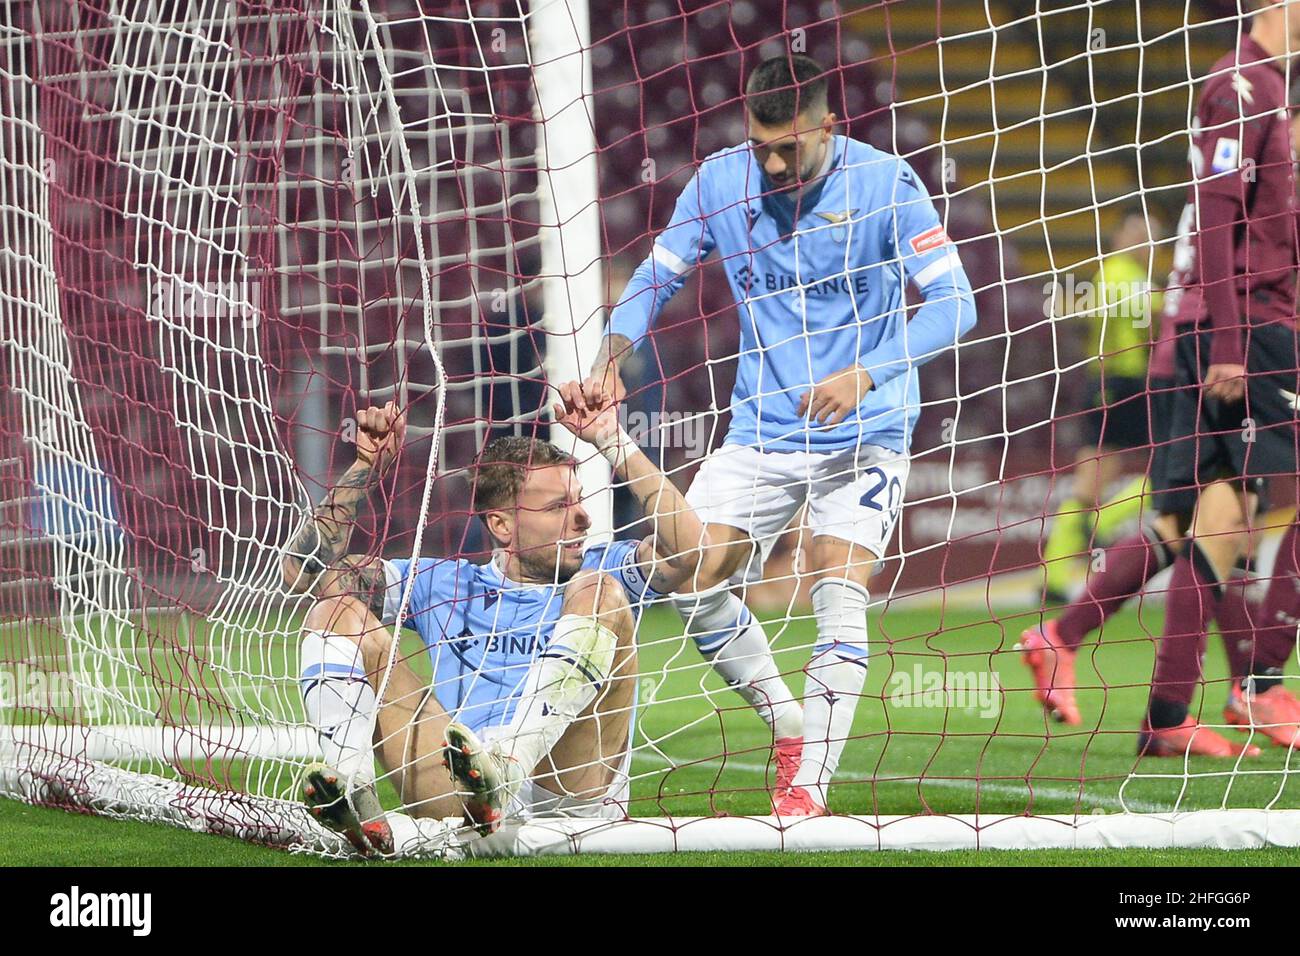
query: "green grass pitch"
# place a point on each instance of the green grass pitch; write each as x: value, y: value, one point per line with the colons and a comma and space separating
x: 986, y: 749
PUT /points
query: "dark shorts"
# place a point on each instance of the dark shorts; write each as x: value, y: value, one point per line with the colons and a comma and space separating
x: 1119, y: 413
x: 1206, y: 440
x: 1161, y: 403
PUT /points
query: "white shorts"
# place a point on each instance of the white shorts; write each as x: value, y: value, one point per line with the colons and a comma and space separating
x: 533, y: 801
x: 855, y: 494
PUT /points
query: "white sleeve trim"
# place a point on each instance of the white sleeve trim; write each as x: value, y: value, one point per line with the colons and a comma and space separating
x: 392, y: 592
x: 669, y: 259
x: 940, y: 267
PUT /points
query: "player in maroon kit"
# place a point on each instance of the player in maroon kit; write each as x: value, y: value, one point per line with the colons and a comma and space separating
x: 1218, y: 427
x: 1131, y: 562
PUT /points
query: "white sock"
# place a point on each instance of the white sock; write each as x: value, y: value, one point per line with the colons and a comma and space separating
x: 835, y: 676
x: 733, y: 641
x: 560, y: 685
x: 340, y: 703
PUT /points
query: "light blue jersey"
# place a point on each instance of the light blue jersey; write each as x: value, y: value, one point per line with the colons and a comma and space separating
x: 817, y: 295
x: 483, y: 631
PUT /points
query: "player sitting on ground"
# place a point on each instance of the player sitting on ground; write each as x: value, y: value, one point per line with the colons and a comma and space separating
x: 533, y: 654
x: 819, y: 234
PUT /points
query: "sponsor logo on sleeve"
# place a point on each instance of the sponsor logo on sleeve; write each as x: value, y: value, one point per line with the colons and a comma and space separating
x: 930, y: 239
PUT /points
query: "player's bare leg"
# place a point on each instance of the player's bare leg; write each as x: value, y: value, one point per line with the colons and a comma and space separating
x: 728, y: 550
x: 838, y: 668
x: 572, y: 724
x: 1221, y: 525
x: 733, y: 641
x: 345, y: 653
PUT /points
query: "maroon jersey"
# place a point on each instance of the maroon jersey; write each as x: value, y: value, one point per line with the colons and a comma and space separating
x: 1241, y: 150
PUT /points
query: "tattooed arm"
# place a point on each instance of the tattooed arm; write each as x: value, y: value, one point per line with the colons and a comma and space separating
x: 317, y: 559
x: 606, y: 370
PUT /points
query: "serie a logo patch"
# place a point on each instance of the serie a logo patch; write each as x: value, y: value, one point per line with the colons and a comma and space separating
x: 1226, y: 156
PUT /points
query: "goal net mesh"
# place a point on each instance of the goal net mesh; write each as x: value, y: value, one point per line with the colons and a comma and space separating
x: 226, y: 228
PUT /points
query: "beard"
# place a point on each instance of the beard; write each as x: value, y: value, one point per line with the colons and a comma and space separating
x: 795, y: 182
x: 550, y: 564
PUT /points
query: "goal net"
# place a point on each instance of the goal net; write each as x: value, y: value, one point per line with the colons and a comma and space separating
x: 226, y: 229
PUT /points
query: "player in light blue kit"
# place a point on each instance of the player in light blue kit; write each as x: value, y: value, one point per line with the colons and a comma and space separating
x: 819, y: 235
x: 533, y: 654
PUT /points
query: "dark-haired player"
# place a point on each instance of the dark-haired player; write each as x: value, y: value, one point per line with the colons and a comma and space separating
x: 819, y: 235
